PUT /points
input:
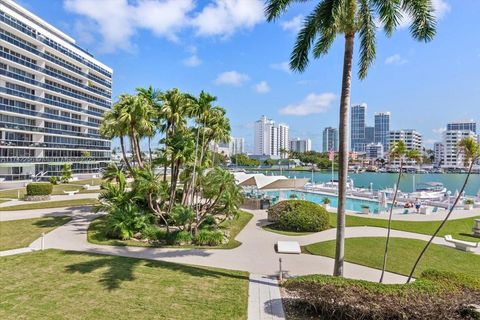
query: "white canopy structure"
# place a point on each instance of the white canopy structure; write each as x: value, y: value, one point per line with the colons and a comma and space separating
x: 263, y: 182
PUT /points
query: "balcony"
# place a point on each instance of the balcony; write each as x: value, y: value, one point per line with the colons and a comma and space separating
x: 33, y: 160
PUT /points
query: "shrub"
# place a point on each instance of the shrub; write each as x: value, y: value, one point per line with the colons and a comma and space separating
x: 209, y: 238
x: 326, y: 200
x: 303, y: 216
x: 154, y: 233
x: 208, y: 223
x: 53, y: 180
x: 469, y: 201
x: 275, y: 211
x: 39, y: 189
x: 179, y: 238
x: 293, y: 196
x: 124, y: 222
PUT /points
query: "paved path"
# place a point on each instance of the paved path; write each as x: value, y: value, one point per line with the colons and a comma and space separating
x: 15, y: 251
x: 40, y: 213
x: 264, y: 299
x: 15, y: 202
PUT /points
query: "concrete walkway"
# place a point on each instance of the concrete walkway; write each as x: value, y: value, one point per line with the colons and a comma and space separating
x: 264, y: 299
x: 14, y: 202
x: 15, y: 251
x: 40, y: 213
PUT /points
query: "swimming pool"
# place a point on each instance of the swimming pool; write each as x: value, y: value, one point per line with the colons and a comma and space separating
x: 352, y: 204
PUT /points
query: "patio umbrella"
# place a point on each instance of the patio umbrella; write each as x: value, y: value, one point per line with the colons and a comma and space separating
x: 383, y: 200
x: 456, y: 194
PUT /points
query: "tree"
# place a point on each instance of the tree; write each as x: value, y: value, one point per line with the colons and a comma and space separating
x: 66, y: 173
x: 397, y: 151
x: 350, y: 18
x: 114, y: 173
x: 470, y: 149
x: 151, y: 97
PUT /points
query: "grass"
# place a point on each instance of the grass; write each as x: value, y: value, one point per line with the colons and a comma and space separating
x: 58, y: 189
x: 51, y: 204
x: 65, y: 285
x: 368, y: 251
x: 459, y: 228
x: 275, y: 229
x: 96, y: 234
x: 21, y: 233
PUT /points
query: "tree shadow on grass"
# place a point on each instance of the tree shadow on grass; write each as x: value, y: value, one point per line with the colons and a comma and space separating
x: 52, y: 222
x: 470, y: 236
x: 119, y: 269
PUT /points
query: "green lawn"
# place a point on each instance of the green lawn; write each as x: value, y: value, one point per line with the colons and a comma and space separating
x: 273, y: 228
x: 459, y: 229
x: 402, y: 255
x: 57, y: 190
x: 96, y: 233
x: 21, y: 233
x: 66, y: 285
x: 51, y: 204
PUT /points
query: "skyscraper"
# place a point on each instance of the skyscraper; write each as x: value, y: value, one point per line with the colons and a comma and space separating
x: 270, y: 139
x: 382, y: 128
x: 369, y: 135
x: 52, y: 98
x: 301, y: 145
x: 330, y: 139
x: 357, y: 128
x: 462, y: 126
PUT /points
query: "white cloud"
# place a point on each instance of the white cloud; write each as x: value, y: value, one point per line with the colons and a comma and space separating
x: 282, y: 66
x: 313, y: 103
x: 117, y: 21
x: 396, y: 59
x: 231, y: 78
x: 439, y: 131
x: 224, y: 17
x: 192, y: 61
x: 294, y: 25
x: 262, y: 87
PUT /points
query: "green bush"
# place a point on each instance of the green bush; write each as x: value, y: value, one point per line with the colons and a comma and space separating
x: 209, y: 238
x: 154, y: 233
x: 53, y: 180
x: 39, y: 189
x: 303, y: 216
x: 126, y: 221
x: 179, y: 238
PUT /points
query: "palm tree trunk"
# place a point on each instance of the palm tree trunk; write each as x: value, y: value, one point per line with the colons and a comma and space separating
x: 343, y: 154
x: 127, y: 162
x: 150, y: 149
x: 138, y: 151
x: 443, y: 222
x: 390, y: 222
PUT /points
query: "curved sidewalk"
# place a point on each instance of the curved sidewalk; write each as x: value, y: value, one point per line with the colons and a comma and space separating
x: 256, y: 254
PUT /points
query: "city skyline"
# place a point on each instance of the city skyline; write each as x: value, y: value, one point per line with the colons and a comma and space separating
x: 250, y: 80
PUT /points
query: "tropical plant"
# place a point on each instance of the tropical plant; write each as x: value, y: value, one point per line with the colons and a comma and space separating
x: 182, y: 216
x: 326, y: 200
x: 66, y: 173
x: 350, y: 18
x: 400, y: 152
x: 125, y: 221
x: 469, y: 148
x: 113, y: 173
x: 53, y: 180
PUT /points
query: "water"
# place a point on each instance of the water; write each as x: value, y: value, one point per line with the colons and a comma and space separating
x: 352, y: 204
x: 386, y: 180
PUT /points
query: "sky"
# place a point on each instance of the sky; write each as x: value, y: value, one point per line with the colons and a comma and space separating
x: 226, y: 48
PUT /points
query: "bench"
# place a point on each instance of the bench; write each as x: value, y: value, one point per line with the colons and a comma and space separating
x: 461, y: 245
x: 288, y: 247
x: 71, y: 193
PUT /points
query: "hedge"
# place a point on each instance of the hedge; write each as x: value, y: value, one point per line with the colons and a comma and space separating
x: 299, y: 216
x: 39, y: 189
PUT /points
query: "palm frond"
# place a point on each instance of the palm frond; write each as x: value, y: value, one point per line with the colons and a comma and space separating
x: 274, y: 8
x: 326, y: 14
x: 389, y: 14
x: 367, y: 30
x: 423, y: 26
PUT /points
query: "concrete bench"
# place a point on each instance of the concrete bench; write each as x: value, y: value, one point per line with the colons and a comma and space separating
x: 461, y: 245
x: 71, y: 193
x: 288, y: 247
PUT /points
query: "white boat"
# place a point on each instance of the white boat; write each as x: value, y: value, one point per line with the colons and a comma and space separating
x: 429, y: 191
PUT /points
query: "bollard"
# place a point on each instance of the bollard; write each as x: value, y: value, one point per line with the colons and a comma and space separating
x: 280, y: 277
x: 43, y: 241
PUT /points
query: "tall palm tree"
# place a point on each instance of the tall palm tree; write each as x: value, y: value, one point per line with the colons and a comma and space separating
x: 397, y: 151
x: 151, y: 97
x: 470, y: 149
x: 350, y: 18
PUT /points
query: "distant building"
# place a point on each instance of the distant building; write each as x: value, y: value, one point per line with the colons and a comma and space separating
x: 330, y: 139
x: 237, y: 146
x: 412, y: 138
x: 453, y: 156
x: 382, y: 128
x: 374, y: 151
x: 269, y: 138
x: 357, y: 127
x: 369, y: 135
x: 301, y: 145
x: 463, y: 126
x: 438, y: 153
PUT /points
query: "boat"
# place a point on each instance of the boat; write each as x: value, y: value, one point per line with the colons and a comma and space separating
x: 429, y: 191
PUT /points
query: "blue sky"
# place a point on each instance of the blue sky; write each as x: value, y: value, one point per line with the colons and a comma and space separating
x: 226, y: 48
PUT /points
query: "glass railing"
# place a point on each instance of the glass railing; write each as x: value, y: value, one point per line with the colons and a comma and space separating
x: 24, y: 127
x: 49, y: 159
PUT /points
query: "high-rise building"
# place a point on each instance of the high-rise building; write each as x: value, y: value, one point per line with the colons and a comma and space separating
x: 237, y: 146
x: 453, y: 156
x: 357, y: 128
x: 52, y: 98
x: 374, y: 151
x: 301, y: 145
x: 438, y: 153
x: 382, y: 128
x: 462, y: 126
x: 369, y: 135
x: 330, y: 139
x: 270, y: 139
x: 412, y: 138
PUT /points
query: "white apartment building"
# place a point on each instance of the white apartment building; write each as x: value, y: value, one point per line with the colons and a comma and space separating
x: 453, y: 156
x: 52, y: 98
x: 374, y: 151
x: 438, y: 153
x: 269, y: 138
x: 237, y: 146
x: 300, y: 145
x: 412, y: 138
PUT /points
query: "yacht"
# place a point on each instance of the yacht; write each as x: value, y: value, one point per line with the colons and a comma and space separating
x: 429, y: 190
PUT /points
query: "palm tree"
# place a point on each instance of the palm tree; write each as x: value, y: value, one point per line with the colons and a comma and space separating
x: 397, y: 151
x: 350, y: 18
x: 113, y: 173
x: 152, y: 98
x: 470, y: 149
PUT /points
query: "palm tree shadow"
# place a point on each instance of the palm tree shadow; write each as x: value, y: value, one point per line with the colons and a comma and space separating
x: 50, y: 222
